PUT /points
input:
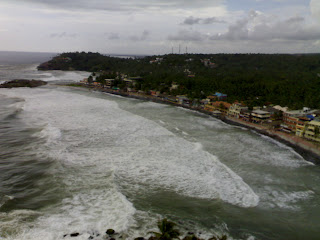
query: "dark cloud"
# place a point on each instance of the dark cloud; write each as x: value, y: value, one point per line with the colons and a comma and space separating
x: 63, y: 35
x: 144, y: 35
x: 113, y: 36
x: 185, y: 35
x: 191, y: 21
x: 126, y: 5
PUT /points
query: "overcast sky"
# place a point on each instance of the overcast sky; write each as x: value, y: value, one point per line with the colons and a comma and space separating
x: 157, y: 26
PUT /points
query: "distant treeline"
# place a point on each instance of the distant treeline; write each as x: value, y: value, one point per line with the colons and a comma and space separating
x: 257, y: 79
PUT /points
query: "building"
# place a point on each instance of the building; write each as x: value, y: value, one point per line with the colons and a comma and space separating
x: 174, y: 86
x: 291, y: 118
x: 172, y: 99
x: 260, y: 116
x: 129, y: 82
x: 183, y: 100
x: 312, y: 131
x: 218, y: 96
x: 235, y: 110
x: 301, y: 126
x: 109, y: 83
x: 221, y: 106
x: 154, y: 93
x: 245, y: 115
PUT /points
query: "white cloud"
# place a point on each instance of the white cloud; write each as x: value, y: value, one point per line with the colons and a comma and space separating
x: 152, y: 26
x: 126, y: 5
x: 210, y: 20
x: 257, y: 27
x: 315, y: 9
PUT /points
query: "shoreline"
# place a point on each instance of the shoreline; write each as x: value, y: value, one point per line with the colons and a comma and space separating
x: 305, y: 148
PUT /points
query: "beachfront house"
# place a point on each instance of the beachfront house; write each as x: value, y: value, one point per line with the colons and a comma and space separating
x: 235, y: 110
x: 109, y: 83
x: 172, y: 99
x: 291, y: 119
x: 302, y: 125
x: 183, y: 100
x: 260, y: 116
x: 218, y: 96
x: 221, y: 106
x: 312, y: 131
x: 245, y: 115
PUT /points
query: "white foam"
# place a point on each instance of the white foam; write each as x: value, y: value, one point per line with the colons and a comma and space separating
x: 151, y: 105
x: 94, y: 211
x: 94, y: 140
x: 5, y: 199
x: 267, y: 153
x: 50, y: 133
x: 285, y: 200
x: 139, y: 149
x: 57, y: 75
x: 281, y: 145
x: 198, y: 146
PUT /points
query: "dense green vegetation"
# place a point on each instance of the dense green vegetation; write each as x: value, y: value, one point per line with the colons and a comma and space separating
x: 288, y: 80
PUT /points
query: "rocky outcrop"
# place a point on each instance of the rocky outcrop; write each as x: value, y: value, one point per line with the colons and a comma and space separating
x: 23, y: 83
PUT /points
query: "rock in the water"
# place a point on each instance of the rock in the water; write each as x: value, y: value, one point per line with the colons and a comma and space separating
x: 74, y: 234
x: 139, y: 238
x: 110, y: 231
x: 23, y: 83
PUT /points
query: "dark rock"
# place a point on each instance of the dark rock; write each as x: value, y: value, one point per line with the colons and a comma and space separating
x: 74, y: 234
x: 91, y: 237
x: 139, y: 238
x: 65, y: 235
x: 22, y: 83
x: 112, y: 239
x: 110, y: 232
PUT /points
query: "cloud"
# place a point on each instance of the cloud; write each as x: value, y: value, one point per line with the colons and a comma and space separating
x: 145, y: 34
x: 113, y: 36
x: 256, y: 27
x: 126, y: 5
x: 191, y: 20
x: 185, y: 35
x: 315, y: 9
x: 63, y: 35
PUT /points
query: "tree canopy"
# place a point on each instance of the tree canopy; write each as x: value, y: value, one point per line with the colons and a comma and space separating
x: 292, y: 80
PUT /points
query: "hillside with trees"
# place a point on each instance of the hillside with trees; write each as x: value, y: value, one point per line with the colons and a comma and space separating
x: 257, y: 79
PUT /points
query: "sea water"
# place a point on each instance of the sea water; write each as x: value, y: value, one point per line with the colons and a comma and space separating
x: 74, y: 160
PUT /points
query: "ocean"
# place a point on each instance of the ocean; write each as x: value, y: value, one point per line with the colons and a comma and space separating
x: 76, y: 160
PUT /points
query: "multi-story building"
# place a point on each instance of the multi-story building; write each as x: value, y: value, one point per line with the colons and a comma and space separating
x: 235, y: 110
x: 301, y: 126
x: 260, y: 116
x: 291, y: 118
x: 109, y: 83
x: 312, y: 131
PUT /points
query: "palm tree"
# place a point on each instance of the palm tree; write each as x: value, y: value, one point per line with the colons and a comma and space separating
x: 167, y: 231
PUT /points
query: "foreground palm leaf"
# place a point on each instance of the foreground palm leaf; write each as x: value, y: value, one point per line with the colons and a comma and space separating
x: 167, y: 231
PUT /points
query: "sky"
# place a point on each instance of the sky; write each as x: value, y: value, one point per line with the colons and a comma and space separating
x: 150, y: 27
